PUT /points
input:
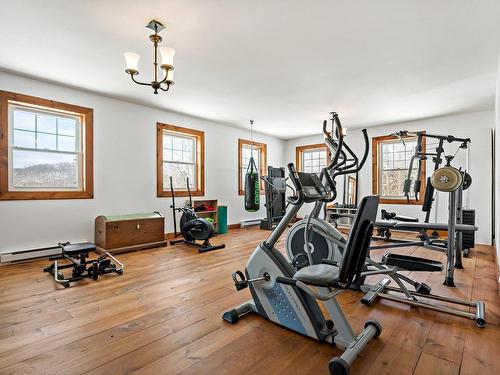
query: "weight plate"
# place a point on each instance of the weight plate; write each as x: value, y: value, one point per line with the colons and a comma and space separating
x: 446, y: 179
x: 467, y: 181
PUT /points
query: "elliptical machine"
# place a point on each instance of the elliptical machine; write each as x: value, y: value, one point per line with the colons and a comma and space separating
x: 288, y: 297
x: 192, y: 227
x: 325, y: 241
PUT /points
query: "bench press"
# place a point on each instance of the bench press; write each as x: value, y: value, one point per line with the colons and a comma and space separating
x: 77, y: 254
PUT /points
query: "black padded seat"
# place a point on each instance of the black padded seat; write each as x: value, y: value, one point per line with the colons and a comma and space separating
x: 78, y: 248
x: 318, y: 275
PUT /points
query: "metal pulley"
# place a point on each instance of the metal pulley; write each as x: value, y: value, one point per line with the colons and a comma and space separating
x: 446, y: 179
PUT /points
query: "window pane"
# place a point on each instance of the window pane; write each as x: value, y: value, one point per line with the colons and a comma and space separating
x: 177, y: 143
x: 188, y: 145
x: 24, y: 139
x: 34, y: 169
x: 65, y: 143
x: 66, y: 126
x: 24, y: 120
x: 177, y: 155
x: 313, y: 161
x: 179, y: 172
x: 46, y: 124
x: 46, y: 142
x: 167, y: 141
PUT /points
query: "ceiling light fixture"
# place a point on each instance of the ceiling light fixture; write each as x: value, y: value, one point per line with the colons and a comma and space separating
x: 167, y: 61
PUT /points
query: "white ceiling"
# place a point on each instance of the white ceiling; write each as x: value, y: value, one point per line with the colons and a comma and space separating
x: 285, y: 63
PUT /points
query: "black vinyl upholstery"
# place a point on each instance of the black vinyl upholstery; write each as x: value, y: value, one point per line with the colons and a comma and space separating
x: 358, y: 242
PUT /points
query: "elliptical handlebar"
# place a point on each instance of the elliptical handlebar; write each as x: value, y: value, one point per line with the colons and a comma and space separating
x: 340, y: 137
x: 358, y: 167
x: 294, y: 176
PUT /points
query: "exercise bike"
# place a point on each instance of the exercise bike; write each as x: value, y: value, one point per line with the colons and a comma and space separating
x: 193, y: 228
x: 288, y: 297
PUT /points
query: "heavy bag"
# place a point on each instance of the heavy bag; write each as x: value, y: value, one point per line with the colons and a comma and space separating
x: 252, y: 187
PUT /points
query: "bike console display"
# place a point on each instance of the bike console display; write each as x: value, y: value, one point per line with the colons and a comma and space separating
x: 312, y: 187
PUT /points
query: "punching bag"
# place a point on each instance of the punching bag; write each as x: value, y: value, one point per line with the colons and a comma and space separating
x: 252, y: 187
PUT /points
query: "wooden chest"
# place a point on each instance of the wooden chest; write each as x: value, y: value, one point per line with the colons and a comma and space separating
x: 130, y: 232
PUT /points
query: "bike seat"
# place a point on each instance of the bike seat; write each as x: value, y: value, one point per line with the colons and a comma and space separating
x: 318, y: 275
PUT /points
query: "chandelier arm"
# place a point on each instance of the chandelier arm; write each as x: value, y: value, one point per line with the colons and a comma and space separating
x: 168, y: 87
x: 164, y: 79
x: 139, y: 83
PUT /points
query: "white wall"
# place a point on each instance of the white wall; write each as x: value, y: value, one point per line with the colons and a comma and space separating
x: 476, y: 126
x: 124, y: 169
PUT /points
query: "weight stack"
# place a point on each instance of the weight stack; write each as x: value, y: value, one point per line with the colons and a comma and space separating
x: 468, y: 238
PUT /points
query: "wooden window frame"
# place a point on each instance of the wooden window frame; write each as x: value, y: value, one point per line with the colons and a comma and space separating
x: 262, y: 147
x: 200, y: 159
x: 87, y: 118
x: 299, y: 150
x: 375, y: 175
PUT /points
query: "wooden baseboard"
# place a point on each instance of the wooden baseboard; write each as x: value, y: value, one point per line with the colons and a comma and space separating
x: 234, y: 226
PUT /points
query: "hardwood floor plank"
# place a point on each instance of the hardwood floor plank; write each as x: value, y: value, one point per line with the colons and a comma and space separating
x: 481, y: 351
x: 430, y: 365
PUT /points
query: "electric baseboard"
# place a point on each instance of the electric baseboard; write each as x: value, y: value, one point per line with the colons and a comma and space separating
x: 248, y: 223
x: 30, y: 254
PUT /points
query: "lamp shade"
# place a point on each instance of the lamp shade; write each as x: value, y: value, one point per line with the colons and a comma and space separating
x: 132, y: 62
x: 167, y: 56
x: 170, y: 75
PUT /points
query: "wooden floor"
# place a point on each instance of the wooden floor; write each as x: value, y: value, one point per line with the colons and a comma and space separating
x: 163, y: 316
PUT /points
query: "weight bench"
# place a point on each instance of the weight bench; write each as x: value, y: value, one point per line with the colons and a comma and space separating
x: 77, y: 254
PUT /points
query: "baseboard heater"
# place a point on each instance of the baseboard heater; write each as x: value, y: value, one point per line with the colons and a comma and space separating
x: 25, y: 255
x: 248, y: 223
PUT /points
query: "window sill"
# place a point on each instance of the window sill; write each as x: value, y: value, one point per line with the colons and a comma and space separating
x: 45, y: 195
x: 194, y: 193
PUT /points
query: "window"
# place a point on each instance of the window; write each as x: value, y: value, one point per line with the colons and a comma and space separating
x: 180, y: 156
x: 311, y: 158
x: 260, y: 157
x: 351, y: 190
x: 390, y: 163
x: 47, y: 146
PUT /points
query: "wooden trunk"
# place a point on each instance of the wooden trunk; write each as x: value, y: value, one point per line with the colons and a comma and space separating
x: 129, y: 232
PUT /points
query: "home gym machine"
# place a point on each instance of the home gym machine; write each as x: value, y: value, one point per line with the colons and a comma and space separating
x: 77, y: 254
x: 421, y: 155
x: 275, y: 193
x: 446, y: 179
x: 288, y: 297
x: 326, y: 242
x: 192, y: 227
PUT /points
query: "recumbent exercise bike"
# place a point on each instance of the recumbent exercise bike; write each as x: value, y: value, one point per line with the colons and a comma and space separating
x: 289, y: 298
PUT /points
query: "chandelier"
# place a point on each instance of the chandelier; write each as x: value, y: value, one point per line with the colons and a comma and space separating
x: 167, y: 61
